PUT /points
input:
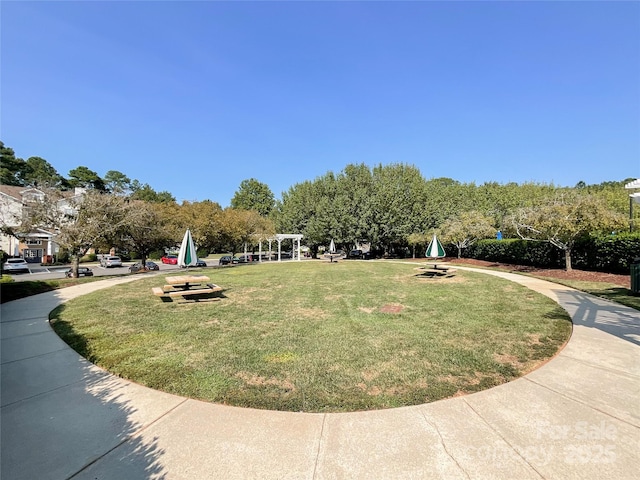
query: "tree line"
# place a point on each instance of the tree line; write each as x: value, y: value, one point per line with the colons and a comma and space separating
x: 38, y: 172
x: 396, y: 210
x: 392, y: 208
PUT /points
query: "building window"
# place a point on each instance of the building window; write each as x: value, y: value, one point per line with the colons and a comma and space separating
x: 34, y: 253
x: 33, y: 241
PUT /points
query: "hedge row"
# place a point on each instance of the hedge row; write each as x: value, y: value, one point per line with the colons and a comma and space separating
x: 611, y: 253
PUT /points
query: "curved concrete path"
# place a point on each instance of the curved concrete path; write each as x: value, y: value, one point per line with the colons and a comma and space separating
x: 578, y: 416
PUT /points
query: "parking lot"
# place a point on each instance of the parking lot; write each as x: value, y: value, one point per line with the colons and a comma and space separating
x: 40, y: 272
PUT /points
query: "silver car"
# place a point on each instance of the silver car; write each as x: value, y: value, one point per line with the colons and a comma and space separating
x: 110, y: 261
x: 16, y: 265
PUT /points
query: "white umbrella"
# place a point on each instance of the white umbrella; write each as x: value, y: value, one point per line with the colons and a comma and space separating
x: 332, y: 247
x: 187, y: 255
x: 435, y: 250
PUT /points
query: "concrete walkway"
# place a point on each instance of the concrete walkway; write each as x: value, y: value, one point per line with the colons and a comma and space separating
x: 577, y: 417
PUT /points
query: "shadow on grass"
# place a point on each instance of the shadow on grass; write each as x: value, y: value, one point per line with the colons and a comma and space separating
x: 199, y: 298
x: 15, y: 290
x: 68, y: 334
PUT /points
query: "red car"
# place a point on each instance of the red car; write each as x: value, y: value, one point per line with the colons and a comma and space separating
x: 170, y: 259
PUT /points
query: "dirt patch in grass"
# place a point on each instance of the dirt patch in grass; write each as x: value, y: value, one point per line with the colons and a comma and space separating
x: 391, y: 308
x: 507, y: 359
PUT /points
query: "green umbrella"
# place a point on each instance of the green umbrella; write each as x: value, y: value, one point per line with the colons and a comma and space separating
x: 187, y: 256
x: 435, y: 250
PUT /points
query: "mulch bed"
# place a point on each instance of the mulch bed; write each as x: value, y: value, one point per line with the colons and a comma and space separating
x: 621, y: 280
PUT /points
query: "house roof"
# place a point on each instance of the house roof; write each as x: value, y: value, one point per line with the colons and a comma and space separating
x: 16, y: 192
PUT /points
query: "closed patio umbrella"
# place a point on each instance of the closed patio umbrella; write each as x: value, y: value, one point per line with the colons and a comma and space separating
x: 187, y: 256
x: 435, y: 249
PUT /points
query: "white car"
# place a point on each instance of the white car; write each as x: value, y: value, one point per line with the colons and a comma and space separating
x: 16, y: 265
x: 110, y: 261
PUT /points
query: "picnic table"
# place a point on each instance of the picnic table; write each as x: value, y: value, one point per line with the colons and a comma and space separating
x: 185, y: 286
x: 437, y: 270
x: 185, y: 282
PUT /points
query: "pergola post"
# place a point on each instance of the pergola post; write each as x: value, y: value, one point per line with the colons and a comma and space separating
x: 279, y: 237
x: 633, y: 197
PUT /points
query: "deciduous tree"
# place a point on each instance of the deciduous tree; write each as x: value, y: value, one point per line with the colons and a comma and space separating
x: 78, y: 222
x: 465, y: 229
x: 240, y: 227
x: 564, y: 219
x: 254, y: 195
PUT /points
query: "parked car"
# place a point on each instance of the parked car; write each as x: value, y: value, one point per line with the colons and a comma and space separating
x: 86, y: 271
x: 170, y: 259
x: 16, y: 265
x: 227, y: 259
x: 359, y: 254
x: 248, y: 258
x: 110, y: 261
x: 136, y: 267
x: 199, y: 263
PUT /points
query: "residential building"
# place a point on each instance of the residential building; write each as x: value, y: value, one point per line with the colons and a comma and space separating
x: 39, y: 245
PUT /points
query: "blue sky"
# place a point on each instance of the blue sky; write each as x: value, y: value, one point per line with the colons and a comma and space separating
x: 194, y: 97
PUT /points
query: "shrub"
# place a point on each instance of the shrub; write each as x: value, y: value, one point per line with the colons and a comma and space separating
x: 604, y: 253
x: 91, y: 257
x: 63, y: 257
x: 607, y: 253
x: 202, y: 253
x: 156, y: 254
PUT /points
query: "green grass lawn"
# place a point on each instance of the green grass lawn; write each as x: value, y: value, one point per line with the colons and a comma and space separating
x: 317, y: 337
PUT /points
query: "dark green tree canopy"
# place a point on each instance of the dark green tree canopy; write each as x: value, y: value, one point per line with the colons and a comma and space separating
x: 148, y: 194
x: 117, y: 182
x: 86, y: 178
x: 39, y: 172
x: 254, y: 195
x: 12, y: 169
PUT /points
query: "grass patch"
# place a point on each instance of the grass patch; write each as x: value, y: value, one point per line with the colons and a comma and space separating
x: 316, y: 337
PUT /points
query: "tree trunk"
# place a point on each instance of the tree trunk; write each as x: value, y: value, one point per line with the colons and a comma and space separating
x: 567, y: 259
x: 459, y: 252
x: 75, y: 263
